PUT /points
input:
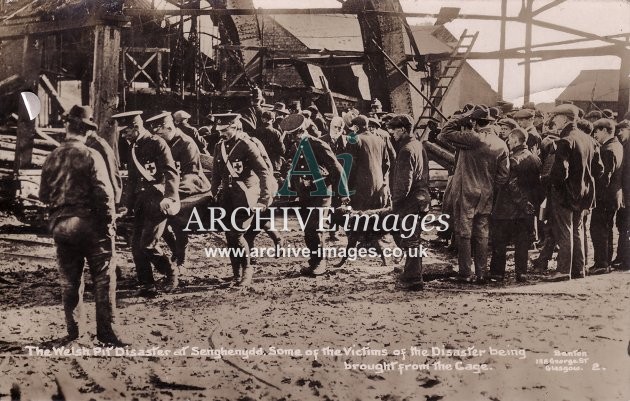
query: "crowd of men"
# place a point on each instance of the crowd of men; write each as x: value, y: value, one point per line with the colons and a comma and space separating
x: 519, y: 176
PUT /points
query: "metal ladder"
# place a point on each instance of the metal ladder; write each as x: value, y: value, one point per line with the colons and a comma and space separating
x: 449, y: 72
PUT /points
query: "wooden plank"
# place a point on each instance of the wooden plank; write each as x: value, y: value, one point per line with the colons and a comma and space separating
x: 51, y: 91
x: 38, y: 28
x: 104, y: 86
x: 11, y: 146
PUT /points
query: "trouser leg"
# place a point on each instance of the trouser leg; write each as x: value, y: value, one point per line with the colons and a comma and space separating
x: 480, y: 244
x: 464, y: 255
x: 102, y: 268
x: 500, y: 238
x: 313, y: 238
x: 522, y: 241
x: 599, y: 234
x: 562, y: 228
x: 412, y: 270
x: 577, y: 260
x: 71, y: 262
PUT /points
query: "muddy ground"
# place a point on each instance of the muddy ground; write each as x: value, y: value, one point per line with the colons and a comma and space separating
x: 516, y: 330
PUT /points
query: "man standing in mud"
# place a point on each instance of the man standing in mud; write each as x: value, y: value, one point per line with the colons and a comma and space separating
x: 410, y: 194
x: 153, y: 195
x: 315, y: 173
x: 241, y: 180
x: 76, y: 186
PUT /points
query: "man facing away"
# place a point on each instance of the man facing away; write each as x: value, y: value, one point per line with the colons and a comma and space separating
x: 76, y: 186
x: 572, y: 179
x: 482, y: 165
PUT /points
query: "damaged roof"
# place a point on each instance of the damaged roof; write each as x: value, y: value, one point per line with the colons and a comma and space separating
x: 595, y: 85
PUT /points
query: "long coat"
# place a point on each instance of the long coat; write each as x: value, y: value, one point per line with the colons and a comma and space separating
x: 576, y: 165
x: 482, y: 165
x: 370, y: 164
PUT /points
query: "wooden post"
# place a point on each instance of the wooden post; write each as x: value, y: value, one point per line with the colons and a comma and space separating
x: 623, y: 99
x: 104, y: 86
x: 528, y: 49
x: 502, y: 48
x: 31, y: 62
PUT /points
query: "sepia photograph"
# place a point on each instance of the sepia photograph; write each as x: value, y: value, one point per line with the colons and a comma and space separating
x: 391, y: 200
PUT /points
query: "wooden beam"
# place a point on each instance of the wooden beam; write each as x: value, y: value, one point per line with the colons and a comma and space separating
x: 296, y: 11
x: 104, y: 86
x: 509, y: 54
x: 547, y: 7
x: 502, y: 49
x: 623, y: 99
x: 577, y: 32
x: 51, y: 91
x: 39, y: 28
x: 31, y: 63
x: 528, y: 50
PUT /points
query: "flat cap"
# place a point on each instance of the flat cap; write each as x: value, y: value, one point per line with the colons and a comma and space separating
x: 306, y: 113
x: 313, y: 109
x: 401, y: 121
x: 595, y: 114
x: 127, y: 118
x: 292, y: 123
x: 568, y: 110
x: 481, y: 114
x: 607, y: 113
x: 508, y: 122
x: 360, y: 121
x: 373, y: 122
x: 82, y: 114
x: 180, y: 115
x: 605, y: 123
x: 523, y: 113
x: 622, y: 125
x: 280, y: 108
x: 529, y: 106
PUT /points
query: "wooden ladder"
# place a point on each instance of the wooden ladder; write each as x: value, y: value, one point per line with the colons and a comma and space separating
x: 447, y: 75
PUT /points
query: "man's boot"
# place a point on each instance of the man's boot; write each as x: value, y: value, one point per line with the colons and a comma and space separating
x: 248, y: 275
x: 412, y: 273
x: 105, y: 301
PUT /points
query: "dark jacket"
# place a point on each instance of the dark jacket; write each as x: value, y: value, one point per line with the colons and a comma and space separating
x: 192, y: 132
x: 575, y: 168
x: 521, y: 194
x: 608, y: 191
x: 102, y: 147
x: 329, y: 167
x: 154, y: 155
x: 271, y: 139
x: 625, y: 168
x: 188, y: 163
x: 410, y: 178
x: 482, y: 165
x: 370, y: 165
x: 251, y: 171
x: 75, y: 182
x: 338, y: 145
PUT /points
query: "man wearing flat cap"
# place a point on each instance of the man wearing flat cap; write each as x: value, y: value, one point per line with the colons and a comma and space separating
x: 192, y: 182
x: 76, y: 186
x: 241, y: 182
x: 525, y: 119
x: 315, y: 176
x: 180, y: 119
x: 153, y: 195
x: 482, y: 166
x: 572, y: 178
x: 608, y: 195
x: 410, y: 194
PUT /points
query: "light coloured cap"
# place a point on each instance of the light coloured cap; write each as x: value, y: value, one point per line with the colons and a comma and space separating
x: 180, y: 115
x: 568, y: 110
x: 523, y: 113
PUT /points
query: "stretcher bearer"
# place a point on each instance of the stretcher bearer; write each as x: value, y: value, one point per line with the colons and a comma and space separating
x: 153, y: 195
x: 240, y: 183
